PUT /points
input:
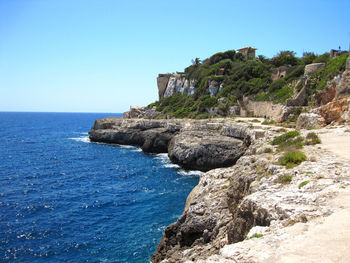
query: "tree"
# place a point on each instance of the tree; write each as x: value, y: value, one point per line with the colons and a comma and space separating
x: 308, y: 58
x: 285, y: 58
x: 196, y: 62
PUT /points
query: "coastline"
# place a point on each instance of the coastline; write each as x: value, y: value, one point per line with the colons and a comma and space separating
x: 231, y: 205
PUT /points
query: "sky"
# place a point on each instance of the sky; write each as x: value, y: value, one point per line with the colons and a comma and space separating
x: 105, y: 55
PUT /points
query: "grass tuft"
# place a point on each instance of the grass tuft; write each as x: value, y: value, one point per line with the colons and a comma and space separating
x: 292, y: 158
x: 302, y: 184
x: 256, y: 236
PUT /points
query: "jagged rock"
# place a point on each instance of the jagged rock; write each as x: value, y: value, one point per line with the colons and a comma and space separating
x: 152, y: 135
x: 202, y: 150
x: 171, y: 84
x: 162, y: 82
x: 199, y: 145
x: 141, y: 113
x: 156, y: 140
x: 332, y: 112
x: 310, y: 121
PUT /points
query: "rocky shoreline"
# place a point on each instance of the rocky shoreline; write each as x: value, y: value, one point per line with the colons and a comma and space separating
x: 193, y: 144
x: 230, y: 206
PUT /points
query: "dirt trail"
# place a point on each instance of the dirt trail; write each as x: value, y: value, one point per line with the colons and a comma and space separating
x: 322, y: 242
x: 337, y: 141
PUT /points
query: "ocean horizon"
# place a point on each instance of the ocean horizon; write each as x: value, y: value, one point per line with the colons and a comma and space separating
x: 65, y: 199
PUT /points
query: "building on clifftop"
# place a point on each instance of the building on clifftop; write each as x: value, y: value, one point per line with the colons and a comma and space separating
x: 248, y: 52
x: 336, y: 53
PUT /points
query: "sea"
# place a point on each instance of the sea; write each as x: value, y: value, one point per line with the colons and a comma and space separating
x: 66, y: 199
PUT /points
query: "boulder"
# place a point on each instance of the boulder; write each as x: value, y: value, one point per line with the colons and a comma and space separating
x: 202, y: 150
x: 309, y: 121
x: 311, y: 68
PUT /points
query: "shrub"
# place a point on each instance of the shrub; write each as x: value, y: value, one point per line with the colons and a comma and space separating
x: 302, y: 184
x: 312, y: 139
x: 292, y: 158
x: 284, y: 137
x: 283, y: 179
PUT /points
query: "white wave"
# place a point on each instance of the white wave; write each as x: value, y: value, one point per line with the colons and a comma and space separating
x: 162, y: 156
x: 171, y: 165
x: 137, y: 150
x: 81, y: 139
x: 190, y: 172
x: 127, y: 146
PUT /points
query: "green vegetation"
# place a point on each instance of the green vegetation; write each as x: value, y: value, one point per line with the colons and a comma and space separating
x: 312, y: 139
x: 289, y: 143
x: 241, y: 76
x: 302, y: 184
x: 319, y: 78
x: 290, y: 139
x: 256, y: 236
x: 293, y: 158
x: 283, y: 179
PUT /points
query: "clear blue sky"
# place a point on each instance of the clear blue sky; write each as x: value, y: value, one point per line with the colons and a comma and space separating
x: 104, y: 55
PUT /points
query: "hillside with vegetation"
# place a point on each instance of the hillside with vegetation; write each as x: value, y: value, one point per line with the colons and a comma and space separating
x: 247, y: 77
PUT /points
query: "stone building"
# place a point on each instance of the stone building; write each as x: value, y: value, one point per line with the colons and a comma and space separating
x: 337, y: 53
x: 248, y: 52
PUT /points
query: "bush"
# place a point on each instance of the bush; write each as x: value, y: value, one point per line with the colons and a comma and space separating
x: 284, y: 137
x: 285, y: 58
x: 292, y: 158
x: 312, y: 139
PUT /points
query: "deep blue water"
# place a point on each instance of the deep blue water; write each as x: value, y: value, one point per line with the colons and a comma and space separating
x: 63, y: 199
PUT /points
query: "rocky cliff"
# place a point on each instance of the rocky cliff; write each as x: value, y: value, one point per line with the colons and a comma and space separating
x: 193, y: 144
x: 171, y: 84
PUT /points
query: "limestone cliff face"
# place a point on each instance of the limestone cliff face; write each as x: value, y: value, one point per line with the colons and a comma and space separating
x: 171, y: 84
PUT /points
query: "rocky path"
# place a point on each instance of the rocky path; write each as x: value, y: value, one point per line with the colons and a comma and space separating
x: 337, y: 141
x: 322, y: 242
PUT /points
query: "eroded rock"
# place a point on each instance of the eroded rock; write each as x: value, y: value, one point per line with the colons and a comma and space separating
x: 202, y: 150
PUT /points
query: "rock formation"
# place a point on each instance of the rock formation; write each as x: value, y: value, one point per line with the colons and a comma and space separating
x: 137, y: 112
x: 200, y: 145
x: 171, y: 84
